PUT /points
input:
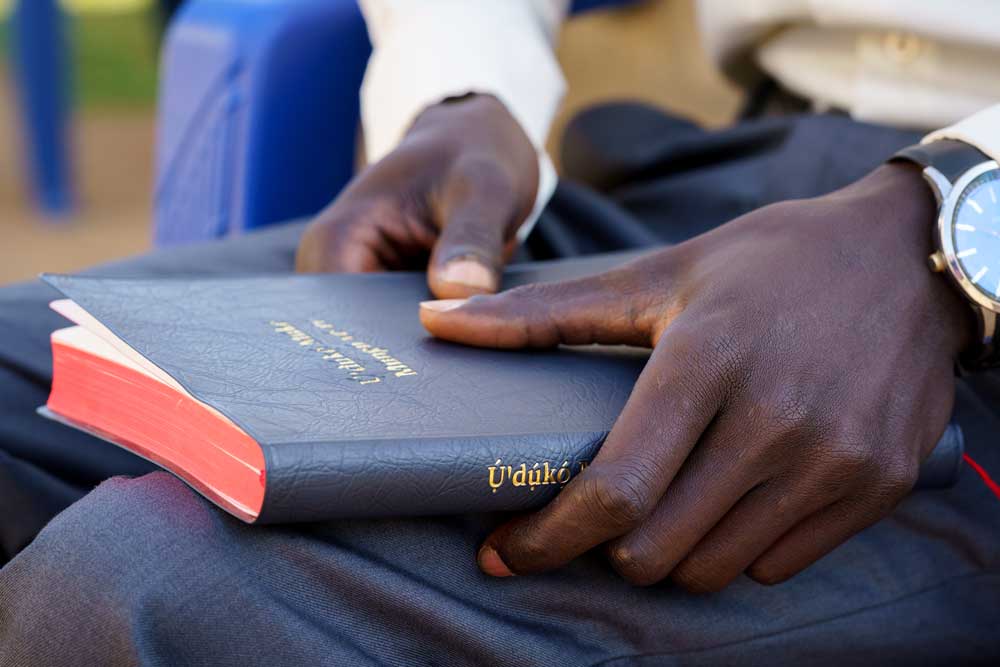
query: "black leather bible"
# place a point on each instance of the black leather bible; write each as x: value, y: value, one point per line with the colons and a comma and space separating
x: 309, y: 397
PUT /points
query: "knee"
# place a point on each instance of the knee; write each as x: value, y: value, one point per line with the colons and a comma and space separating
x: 115, y: 554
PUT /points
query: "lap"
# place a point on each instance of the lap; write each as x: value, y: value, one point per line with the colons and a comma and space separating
x: 145, y: 569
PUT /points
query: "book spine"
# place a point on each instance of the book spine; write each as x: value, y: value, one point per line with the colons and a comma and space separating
x: 323, y: 480
x: 314, y: 481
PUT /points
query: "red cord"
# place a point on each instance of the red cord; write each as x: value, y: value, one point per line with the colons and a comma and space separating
x: 993, y: 486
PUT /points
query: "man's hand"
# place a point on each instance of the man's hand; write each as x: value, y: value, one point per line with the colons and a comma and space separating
x: 802, y: 369
x: 455, y: 191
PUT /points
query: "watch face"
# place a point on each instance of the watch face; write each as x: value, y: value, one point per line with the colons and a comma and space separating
x: 975, y: 232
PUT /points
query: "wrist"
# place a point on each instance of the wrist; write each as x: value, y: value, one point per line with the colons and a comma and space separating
x: 899, y: 194
x: 457, y: 106
x: 472, y: 120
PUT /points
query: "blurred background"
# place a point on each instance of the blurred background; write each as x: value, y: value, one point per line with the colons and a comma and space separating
x: 112, y: 58
x: 647, y: 50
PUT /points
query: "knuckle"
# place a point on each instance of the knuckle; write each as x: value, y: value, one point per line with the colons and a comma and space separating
x: 849, y: 454
x: 536, y: 309
x: 714, y: 365
x: 847, y: 460
x: 780, y: 423
x: 527, y: 314
x: 898, y: 475
x: 619, y: 499
x: 790, y: 411
x: 725, y: 353
x: 685, y: 337
x: 633, y: 564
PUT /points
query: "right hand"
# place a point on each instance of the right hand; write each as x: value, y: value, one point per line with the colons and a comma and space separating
x: 794, y: 387
x: 449, y: 198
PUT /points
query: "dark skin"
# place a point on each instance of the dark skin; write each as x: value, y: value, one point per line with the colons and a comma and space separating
x: 449, y: 199
x: 802, y: 368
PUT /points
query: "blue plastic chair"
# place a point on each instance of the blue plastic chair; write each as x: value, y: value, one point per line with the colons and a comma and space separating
x: 258, y: 112
x: 41, y: 73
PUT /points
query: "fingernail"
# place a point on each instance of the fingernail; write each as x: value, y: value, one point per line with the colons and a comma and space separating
x: 469, y: 272
x: 442, y: 305
x: 491, y: 563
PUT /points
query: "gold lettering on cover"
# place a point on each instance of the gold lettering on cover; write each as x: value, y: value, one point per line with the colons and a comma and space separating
x: 380, y: 354
x: 532, y: 475
x: 355, y: 371
x: 293, y: 332
x: 518, y: 478
x: 498, y: 482
x: 344, y: 358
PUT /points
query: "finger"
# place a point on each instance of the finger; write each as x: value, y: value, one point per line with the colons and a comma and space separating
x: 747, y: 531
x: 600, y: 309
x: 665, y: 415
x: 814, y: 538
x: 876, y: 491
x: 357, y: 234
x: 324, y: 249
x: 480, y: 211
x: 708, y: 485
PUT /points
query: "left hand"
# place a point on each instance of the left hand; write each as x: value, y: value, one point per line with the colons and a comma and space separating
x: 449, y: 198
x: 802, y: 369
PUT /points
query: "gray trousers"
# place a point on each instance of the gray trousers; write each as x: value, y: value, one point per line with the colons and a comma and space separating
x: 141, y: 569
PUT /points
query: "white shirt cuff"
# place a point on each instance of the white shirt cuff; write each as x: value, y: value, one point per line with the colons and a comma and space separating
x: 547, y: 181
x: 426, y: 52
x: 981, y: 130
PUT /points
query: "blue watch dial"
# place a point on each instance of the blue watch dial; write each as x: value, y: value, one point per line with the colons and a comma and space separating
x: 976, y: 233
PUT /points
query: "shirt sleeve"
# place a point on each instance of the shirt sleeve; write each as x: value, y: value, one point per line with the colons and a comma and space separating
x: 427, y: 50
x: 981, y: 130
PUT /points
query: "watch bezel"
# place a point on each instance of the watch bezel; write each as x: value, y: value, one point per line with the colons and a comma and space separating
x: 946, y: 239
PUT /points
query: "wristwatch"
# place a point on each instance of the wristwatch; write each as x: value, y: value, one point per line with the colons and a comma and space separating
x: 966, y: 184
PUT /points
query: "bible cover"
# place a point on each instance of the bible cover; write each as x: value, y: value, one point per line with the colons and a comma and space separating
x: 309, y: 397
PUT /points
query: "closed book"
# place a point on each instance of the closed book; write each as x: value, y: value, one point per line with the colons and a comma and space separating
x: 309, y: 397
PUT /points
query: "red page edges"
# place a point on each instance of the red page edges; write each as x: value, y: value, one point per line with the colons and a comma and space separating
x: 161, y: 424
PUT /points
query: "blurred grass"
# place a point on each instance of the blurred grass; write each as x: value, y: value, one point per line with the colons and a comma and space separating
x: 113, y: 58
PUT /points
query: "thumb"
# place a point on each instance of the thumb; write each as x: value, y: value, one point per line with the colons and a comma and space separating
x: 604, y: 309
x: 480, y: 212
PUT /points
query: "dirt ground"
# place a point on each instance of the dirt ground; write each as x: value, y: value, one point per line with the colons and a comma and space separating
x: 649, y: 52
